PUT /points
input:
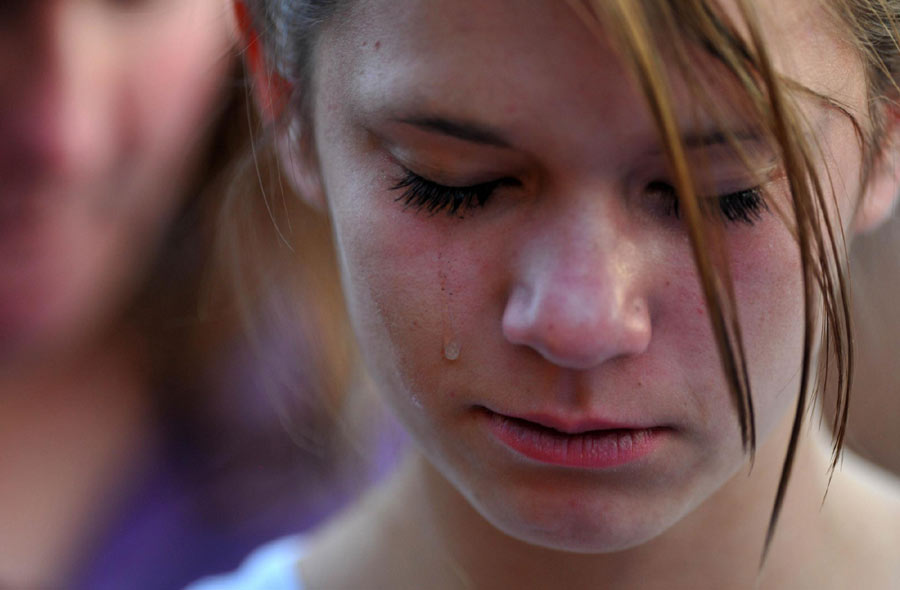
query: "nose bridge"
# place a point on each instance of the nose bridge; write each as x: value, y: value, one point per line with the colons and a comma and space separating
x: 59, y: 92
x: 578, y: 260
x: 577, y: 298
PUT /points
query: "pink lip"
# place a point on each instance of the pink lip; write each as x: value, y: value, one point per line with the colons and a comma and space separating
x: 587, y: 444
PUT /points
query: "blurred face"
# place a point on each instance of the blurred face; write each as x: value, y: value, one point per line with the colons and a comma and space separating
x: 102, y: 107
x: 519, y: 276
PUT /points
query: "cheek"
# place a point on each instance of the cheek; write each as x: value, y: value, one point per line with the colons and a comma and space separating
x: 424, y: 298
x: 150, y: 105
x: 171, y: 81
x: 769, y: 291
x: 401, y: 291
x: 765, y: 271
x: 389, y: 276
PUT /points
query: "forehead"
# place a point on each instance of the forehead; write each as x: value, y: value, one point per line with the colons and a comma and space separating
x: 443, y: 50
x: 514, y: 61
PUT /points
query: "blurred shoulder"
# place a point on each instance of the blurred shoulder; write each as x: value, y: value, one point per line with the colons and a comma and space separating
x: 273, y: 566
x: 868, y: 498
x: 869, y: 483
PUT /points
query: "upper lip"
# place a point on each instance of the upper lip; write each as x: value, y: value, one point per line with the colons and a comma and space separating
x: 579, y: 424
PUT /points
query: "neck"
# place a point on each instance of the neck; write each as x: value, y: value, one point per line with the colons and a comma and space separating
x: 69, y: 434
x: 718, y: 545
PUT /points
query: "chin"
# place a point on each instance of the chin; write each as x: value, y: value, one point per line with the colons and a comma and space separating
x: 578, y: 523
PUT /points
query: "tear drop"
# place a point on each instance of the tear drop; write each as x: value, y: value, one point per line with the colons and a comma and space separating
x: 451, y: 350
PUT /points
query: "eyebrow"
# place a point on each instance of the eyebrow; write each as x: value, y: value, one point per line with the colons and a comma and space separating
x: 716, y: 138
x: 459, y: 129
x: 478, y: 133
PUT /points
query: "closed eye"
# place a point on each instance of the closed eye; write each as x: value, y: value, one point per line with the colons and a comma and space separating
x: 745, y: 206
x: 421, y: 194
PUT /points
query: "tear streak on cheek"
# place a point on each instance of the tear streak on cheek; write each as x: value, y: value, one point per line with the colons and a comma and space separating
x: 451, y: 346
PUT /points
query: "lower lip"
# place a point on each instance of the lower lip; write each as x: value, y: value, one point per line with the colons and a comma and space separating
x: 596, y: 449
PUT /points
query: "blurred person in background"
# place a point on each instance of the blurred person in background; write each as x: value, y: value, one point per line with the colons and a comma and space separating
x: 135, y: 439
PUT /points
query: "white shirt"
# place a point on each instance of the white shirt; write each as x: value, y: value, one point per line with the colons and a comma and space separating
x: 274, y: 566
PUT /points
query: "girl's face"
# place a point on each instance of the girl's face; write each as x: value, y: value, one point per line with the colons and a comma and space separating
x: 102, y: 107
x: 547, y: 342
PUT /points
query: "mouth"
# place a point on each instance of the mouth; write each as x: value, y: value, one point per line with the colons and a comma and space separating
x: 591, y: 444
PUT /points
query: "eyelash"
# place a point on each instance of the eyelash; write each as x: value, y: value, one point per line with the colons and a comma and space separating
x: 745, y: 206
x: 422, y: 194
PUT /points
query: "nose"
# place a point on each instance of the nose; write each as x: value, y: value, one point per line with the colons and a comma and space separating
x: 51, y: 91
x: 578, y: 297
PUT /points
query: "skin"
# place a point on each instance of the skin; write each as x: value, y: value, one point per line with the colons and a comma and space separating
x: 104, y: 109
x: 573, y: 294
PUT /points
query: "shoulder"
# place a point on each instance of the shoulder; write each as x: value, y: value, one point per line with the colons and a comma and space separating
x: 868, y: 502
x: 274, y: 566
